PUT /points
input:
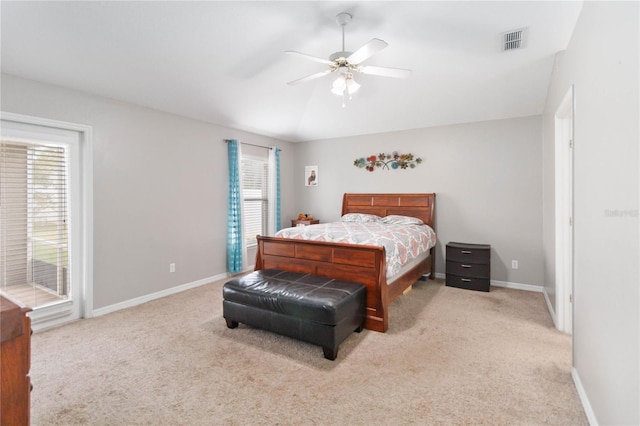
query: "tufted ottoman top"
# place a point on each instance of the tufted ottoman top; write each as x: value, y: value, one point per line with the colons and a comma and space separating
x: 305, y: 296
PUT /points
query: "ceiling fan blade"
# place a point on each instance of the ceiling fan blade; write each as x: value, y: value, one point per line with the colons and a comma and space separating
x: 368, y: 50
x: 385, y: 72
x: 312, y: 58
x: 309, y: 77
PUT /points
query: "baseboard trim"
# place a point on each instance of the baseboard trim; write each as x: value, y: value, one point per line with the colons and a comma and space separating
x: 52, y: 316
x: 586, y: 405
x: 517, y: 286
x: 173, y: 290
x: 153, y: 296
x: 506, y: 284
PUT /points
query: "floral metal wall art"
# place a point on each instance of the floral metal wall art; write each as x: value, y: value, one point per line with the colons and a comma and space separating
x: 388, y: 161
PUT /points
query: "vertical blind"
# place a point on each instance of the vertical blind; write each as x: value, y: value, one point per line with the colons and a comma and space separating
x: 255, y: 195
x: 33, y: 217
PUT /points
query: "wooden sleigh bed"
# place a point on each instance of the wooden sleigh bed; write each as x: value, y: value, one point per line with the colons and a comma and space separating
x: 363, y: 264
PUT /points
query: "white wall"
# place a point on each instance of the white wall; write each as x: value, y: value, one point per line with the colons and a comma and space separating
x: 160, y: 188
x: 602, y: 62
x: 486, y: 176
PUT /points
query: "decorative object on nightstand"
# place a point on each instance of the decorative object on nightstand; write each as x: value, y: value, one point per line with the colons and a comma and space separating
x: 468, y: 266
x: 304, y: 219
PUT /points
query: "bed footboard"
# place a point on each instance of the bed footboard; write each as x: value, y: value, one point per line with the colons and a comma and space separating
x: 363, y: 264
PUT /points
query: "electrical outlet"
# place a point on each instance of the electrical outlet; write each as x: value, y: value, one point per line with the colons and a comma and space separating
x: 172, y: 267
x: 514, y: 264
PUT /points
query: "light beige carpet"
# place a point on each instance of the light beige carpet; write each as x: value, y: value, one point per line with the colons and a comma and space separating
x: 451, y: 356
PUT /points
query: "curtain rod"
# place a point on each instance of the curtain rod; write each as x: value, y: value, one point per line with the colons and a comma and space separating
x: 251, y: 144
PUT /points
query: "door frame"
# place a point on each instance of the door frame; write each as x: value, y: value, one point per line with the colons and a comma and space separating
x: 82, y: 168
x: 564, y: 144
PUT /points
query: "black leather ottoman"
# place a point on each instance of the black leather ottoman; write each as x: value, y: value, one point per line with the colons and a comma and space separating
x: 314, y: 309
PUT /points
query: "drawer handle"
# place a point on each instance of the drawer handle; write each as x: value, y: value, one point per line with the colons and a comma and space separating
x: 466, y: 266
x: 465, y: 251
x: 466, y: 280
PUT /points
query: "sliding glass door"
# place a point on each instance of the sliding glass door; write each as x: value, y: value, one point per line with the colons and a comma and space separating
x: 41, y: 220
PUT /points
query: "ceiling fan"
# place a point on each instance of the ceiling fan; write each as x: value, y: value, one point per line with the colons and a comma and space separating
x: 347, y: 63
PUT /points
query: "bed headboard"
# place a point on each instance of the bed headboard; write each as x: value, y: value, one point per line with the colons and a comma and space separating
x: 415, y: 205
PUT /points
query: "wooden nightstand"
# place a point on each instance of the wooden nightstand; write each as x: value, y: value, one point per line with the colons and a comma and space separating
x: 296, y: 222
x: 469, y: 266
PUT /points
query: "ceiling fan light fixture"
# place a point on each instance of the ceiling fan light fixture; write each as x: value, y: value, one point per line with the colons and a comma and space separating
x: 339, y: 85
x: 352, y: 85
x: 345, y: 84
x: 345, y: 64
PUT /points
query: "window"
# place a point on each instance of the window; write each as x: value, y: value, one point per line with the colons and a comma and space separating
x: 33, y: 219
x: 254, y: 200
x: 255, y: 193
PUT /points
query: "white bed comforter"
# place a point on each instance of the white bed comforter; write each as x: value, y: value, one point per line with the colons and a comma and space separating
x: 403, y: 243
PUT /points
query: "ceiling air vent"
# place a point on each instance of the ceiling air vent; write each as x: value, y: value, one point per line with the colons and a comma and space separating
x: 513, y: 40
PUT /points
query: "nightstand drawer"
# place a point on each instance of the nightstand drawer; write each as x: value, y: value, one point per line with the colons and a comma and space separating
x: 469, y: 253
x: 474, y: 270
x: 469, y: 283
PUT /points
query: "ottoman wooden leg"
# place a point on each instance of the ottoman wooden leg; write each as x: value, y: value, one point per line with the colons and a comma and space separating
x: 231, y: 323
x: 330, y: 353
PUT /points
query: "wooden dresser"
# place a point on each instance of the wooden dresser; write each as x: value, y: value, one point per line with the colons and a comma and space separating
x: 468, y: 266
x: 15, y: 360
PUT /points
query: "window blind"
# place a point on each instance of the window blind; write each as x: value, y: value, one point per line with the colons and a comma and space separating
x: 33, y: 218
x: 255, y: 196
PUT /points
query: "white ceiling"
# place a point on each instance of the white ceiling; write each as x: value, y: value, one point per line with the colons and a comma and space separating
x: 224, y: 62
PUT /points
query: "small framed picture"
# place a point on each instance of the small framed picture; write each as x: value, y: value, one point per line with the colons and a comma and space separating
x: 310, y: 175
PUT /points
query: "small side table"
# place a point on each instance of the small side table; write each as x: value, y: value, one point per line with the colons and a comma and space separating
x: 468, y: 266
x: 296, y: 222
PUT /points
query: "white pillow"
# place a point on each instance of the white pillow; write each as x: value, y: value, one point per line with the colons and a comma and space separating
x: 394, y: 219
x: 360, y: 217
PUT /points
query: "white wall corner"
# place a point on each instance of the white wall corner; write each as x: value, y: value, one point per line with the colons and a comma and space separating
x: 550, y: 308
x: 586, y: 405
